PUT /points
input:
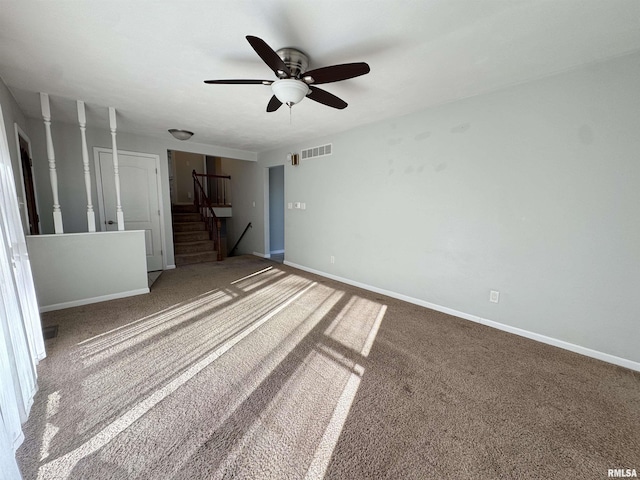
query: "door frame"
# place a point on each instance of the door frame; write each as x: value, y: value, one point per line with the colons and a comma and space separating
x: 101, y: 211
x: 268, y: 209
x: 24, y: 212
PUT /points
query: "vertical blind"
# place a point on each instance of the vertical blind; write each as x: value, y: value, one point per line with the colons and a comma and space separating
x: 21, y: 341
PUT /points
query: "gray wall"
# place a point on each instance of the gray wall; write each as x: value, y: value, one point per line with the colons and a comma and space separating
x: 184, y: 163
x: 276, y: 208
x: 531, y: 191
x: 77, y: 269
x: 66, y: 139
x: 247, y: 187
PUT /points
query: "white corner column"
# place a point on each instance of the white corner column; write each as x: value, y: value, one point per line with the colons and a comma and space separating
x: 53, y: 175
x: 82, y: 121
x: 116, y: 175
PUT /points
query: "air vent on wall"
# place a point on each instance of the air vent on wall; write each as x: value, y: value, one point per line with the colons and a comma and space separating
x: 317, y: 151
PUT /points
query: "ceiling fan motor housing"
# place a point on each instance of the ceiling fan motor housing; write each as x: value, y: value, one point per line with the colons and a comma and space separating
x: 296, y: 60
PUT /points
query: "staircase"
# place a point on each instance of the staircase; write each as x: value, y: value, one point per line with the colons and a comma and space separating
x: 191, y: 241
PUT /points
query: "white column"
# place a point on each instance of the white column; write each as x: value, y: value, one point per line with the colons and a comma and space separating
x: 116, y: 175
x: 82, y: 120
x: 53, y: 175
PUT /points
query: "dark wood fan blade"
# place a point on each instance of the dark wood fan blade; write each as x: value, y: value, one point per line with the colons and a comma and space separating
x: 268, y: 56
x: 326, y: 98
x: 238, y: 82
x: 335, y: 73
x: 274, y: 104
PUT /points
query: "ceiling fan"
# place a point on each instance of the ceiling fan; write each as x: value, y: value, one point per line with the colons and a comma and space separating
x: 294, y: 82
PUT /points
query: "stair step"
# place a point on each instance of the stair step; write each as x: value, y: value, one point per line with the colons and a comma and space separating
x: 186, y: 217
x: 194, y: 247
x: 189, y: 258
x: 189, y: 226
x: 181, y: 237
x: 190, y: 208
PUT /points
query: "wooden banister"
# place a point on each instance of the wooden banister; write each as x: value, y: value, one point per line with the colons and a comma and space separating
x: 218, y: 188
x: 211, y: 175
x: 205, y: 208
x: 233, y: 250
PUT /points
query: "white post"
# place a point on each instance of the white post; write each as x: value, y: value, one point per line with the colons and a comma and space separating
x: 53, y: 175
x: 116, y: 175
x: 82, y: 120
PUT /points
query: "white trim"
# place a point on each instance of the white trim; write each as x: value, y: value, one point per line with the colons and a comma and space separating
x: 262, y: 255
x: 87, y: 301
x: 163, y: 235
x: 18, y: 441
x: 20, y: 133
x: 170, y: 267
x: 277, y: 251
x: 605, y: 357
x: 265, y: 210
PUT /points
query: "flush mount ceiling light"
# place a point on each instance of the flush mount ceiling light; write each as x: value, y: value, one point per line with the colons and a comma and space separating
x: 289, y: 91
x: 180, y: 134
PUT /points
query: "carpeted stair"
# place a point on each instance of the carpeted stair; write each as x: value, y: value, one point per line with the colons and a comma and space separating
x: 191, y: 241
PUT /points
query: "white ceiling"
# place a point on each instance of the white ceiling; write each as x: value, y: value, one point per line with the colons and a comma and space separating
x: 148, y: 59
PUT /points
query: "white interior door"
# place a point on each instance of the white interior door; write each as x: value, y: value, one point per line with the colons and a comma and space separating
x: 139, y: 198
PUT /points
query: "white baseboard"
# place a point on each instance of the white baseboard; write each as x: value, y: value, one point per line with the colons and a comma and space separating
x: 18, y: 441
x: 262, y: 255
x: 276, y: 251
x: 605, y: 357
x: 170, y: 267
x: 87, y: 301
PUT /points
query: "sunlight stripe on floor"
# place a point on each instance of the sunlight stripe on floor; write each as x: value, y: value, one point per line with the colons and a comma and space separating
x: 325, y: 448
x: 322, y: 456
x: 62, y: 466
x: 252, y: 275
x: 203, y: 299
x: 374, y: 331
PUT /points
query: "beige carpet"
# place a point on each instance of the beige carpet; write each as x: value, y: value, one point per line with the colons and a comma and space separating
x: 250, y: 369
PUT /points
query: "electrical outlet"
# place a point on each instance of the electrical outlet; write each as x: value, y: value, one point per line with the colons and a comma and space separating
x: 494, y: 296
x: 290, y: 205
x: 333, y: 259
x: 296, y: 205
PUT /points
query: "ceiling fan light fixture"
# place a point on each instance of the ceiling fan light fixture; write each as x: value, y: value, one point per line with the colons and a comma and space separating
x: 289, y: 91
x: 180, y: 134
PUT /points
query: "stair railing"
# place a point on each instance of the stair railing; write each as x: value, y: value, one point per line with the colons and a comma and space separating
x: 205, y: 208
x: 217, y: 188
x: 233, y: 250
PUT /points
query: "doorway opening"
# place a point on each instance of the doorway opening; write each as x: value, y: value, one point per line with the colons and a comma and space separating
x: 276, y: 213
x: 29, y: 211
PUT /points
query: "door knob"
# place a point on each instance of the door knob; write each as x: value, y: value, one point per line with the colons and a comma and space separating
x: 111, y: 222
